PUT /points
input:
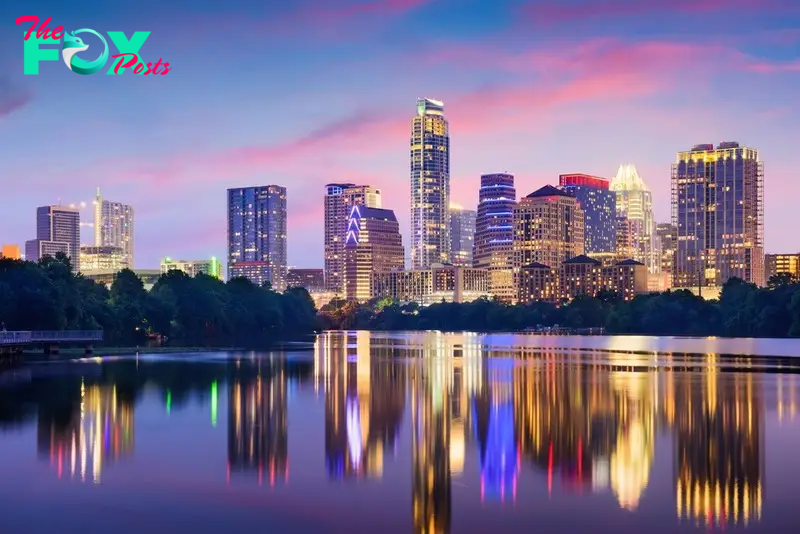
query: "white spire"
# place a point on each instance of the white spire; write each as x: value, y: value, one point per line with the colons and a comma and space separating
x: 627, y: 179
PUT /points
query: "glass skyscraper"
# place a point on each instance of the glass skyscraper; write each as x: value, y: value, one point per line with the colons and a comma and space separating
x: 373, y: 245
x: 430, y: 185
x: 257, y: 234
x: 599, y: 206
x: 462, y: 235
x: 635, y: 203
x: 113, y: 227
x: 494, y: 232
x: 718, y: 211
x: 58, y: 229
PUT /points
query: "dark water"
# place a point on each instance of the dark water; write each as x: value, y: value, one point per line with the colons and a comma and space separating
x: 404, y: 433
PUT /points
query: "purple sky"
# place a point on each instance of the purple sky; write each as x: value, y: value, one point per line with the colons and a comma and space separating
x: 317, y: 91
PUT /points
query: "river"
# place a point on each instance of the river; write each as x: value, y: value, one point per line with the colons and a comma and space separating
x: 408, y: 433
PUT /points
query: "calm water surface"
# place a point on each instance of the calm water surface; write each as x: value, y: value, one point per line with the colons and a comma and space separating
x: 405, y: 433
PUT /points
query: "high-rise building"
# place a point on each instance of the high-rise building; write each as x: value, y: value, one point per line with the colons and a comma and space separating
x: 599, y: 206
x: 635, y: 203
x: 718, y: 211
x: 113, y: 227
x: 430, y: 185
x: 494, y: 232
x: 102, y: 259
x: 339, y: 200
x: 257, y: 234
x: 373, y: 245
x: 462, y: 235
x: 548, y: 228
x: 210, y: 267
x: 10, y: 252
x: 782, y: 264
x: 667, y: 237
x: 58, y: 229
x: 313, y: 280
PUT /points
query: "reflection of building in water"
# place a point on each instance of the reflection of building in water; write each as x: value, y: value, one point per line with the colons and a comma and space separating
x: 257, y: 425
x: 719, y: 462
x: 99, y: 432
x: 787, y: 397
x: 359, y: 426
x: 565, y: 419
x: 431, y: 410
x: 499, y: 454
x: 634, y: 449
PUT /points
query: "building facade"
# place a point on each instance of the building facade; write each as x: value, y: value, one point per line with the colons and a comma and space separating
x: 313, y: 280
x: 718, y: 212
x: 373, y: 245
x: 102, y: 259
x: 462, y: 235
x: 667, y: 237
x: 10, y: 252
x: 494, y: 232
x: 210, y: 267
x: 782, y: 264
x: 635, y: 203
x: 581, y: 276
x: 599, y: 205
x: 257, y: 234
x: 442, y: 282
x: 113, y: 227
x: 548, y: 228
x: 339, y: 201
x: 430, y: 185
x: 58, y: 229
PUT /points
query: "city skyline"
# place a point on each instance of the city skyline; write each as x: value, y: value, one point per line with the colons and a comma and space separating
x: 145, y: 138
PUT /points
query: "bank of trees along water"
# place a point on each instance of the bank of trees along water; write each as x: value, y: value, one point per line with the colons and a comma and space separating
x: 199, y: 311
x: 743, y: 310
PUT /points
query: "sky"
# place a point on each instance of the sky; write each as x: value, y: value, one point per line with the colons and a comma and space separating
x: 308, y: 92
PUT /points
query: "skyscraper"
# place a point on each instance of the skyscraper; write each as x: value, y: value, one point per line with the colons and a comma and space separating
x: 718, y: 211
x: 339, y: 200
x: 58, y: 229
x: 599, y: 206
x: 430, y: 185
x: 667, y: 238
x: 373, y: 245
x: 462, y: 235
x: 548, y: 228
x: 113, y: 227
x: 257, y: 234
x: 635, y: 203
x: 494, y: 232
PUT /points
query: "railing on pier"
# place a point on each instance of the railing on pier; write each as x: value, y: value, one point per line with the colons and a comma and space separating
x: 50, y: 336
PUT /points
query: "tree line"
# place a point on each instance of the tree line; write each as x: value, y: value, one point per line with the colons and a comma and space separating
x: 743, y: 310
x: 183, y: 310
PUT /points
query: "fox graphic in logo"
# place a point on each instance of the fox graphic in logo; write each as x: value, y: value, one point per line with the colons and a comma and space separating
x: 73, y: 45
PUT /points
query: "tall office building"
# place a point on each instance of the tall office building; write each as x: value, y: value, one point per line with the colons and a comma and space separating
x: 599, y: 206
x: 339, y: 200
x: 494, y: 232
x: 718, y: 210
x: 548, y: 228
x: 58, y: 229
x: 373, y: 245
x: 257, y: 234
x: 113, y: 227
x: 668, y: 239
x: 462, y: 235
x: 635, y: 203
x: 430, y: 185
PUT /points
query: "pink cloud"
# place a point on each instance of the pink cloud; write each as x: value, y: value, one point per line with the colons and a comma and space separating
x: 559, y: 11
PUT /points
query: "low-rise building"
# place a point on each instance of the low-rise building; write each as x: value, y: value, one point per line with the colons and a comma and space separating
x: 311, y: 279
x: 210, y: 267
x: 102, y: 259
x: 442, y: 282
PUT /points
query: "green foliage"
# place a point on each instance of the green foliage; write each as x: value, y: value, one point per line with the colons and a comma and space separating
x: 743, y: 310
x: 200, y: 311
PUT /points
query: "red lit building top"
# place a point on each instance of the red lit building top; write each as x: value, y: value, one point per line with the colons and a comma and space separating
x: 583, y: 179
